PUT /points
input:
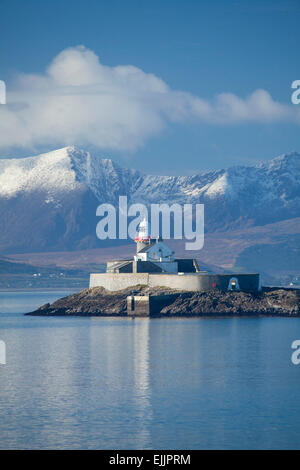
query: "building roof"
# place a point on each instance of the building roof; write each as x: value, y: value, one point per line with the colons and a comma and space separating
x: 146, y: 248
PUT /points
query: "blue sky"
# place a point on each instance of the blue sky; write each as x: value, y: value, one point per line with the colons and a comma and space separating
x: 203, y: 49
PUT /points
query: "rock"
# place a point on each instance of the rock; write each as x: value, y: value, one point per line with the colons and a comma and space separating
x: 100, y: 302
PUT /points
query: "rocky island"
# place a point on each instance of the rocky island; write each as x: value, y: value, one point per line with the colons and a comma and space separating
x: 165, y: 302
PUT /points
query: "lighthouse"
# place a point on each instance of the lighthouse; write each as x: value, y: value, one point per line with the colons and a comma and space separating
x: 155, y: 265
x: 153, y: 250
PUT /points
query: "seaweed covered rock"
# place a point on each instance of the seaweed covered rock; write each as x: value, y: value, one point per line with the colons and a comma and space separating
x: 100, y: 302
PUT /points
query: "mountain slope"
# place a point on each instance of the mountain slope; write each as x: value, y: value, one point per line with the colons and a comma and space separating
x: 48, y: 202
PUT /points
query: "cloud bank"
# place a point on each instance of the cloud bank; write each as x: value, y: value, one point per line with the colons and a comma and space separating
x: 78, y: 100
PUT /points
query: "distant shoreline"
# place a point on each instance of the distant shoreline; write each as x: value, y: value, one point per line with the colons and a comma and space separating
x: 41, y: 289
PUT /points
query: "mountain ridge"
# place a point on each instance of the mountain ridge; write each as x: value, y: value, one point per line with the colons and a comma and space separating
x: 48, y: 202
x: 72, y: 157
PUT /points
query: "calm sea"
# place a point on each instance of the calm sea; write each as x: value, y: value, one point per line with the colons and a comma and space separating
x: 118, y: 383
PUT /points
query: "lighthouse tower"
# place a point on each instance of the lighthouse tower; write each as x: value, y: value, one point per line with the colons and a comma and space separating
x: 143, y: 238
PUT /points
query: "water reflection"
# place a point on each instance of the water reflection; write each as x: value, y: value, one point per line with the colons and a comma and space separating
x: 160, y: 383
x: 141, y: 390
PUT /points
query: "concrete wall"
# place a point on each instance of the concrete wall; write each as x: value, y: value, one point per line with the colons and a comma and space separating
x: 138, y: 305
x: 189, y: 282
x: 146, y: 305
x: 116, y: 281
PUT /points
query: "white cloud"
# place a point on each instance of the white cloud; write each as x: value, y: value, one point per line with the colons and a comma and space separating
x: 81, y: 101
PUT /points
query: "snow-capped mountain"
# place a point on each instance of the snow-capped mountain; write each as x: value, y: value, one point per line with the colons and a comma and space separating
x: 64, y: 171
x: 48, y: 202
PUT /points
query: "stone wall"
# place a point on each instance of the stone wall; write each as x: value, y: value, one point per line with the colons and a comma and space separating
x: 118, y: 281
